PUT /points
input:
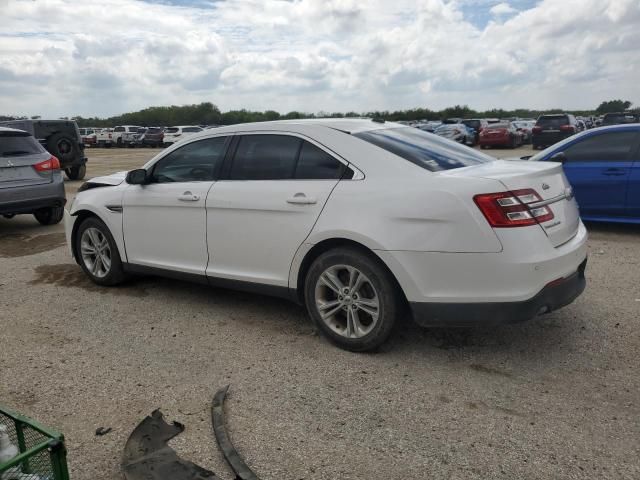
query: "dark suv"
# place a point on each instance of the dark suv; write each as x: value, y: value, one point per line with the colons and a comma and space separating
x: 550, y: 129
x: 30, y: 178
x: 620, y: 118
x: 61, y: 138
x: 153, y: 137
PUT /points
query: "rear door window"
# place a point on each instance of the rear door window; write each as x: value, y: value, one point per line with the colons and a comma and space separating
x: 265, y: 157
x: 316, y: 164
x: 606, y: 147
x: 195, y: 162
x: 119, y: 129
x: 13, y: 144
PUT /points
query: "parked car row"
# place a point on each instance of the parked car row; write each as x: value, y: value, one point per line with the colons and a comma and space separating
x: 136, y: 136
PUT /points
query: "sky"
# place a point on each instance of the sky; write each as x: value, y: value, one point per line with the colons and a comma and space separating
x: 67, y: 58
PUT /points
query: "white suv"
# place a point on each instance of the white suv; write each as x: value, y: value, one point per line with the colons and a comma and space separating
x: 354, y: 218
x: 179, y: 132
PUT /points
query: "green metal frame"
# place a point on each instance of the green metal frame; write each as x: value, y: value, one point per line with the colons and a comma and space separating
x: 54, y: 444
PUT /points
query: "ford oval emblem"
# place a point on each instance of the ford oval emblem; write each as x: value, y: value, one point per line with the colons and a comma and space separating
x: 545, y: 186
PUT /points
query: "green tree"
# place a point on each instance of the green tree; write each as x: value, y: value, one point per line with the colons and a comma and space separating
x: 613, y: 106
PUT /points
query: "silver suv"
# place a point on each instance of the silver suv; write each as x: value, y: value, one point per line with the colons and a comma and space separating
x: 30, y: 178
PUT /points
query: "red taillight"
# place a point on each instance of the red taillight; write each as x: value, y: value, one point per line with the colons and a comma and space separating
x: 109, y: 135
x: 536, y: 129
x: 512, y: 209
x: 567, y: 128
x: 50, y: 164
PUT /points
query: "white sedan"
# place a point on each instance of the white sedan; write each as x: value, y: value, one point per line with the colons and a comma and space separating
x: 359, y: 220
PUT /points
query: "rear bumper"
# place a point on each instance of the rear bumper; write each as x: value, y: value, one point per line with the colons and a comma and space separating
x: 31, y: 198
x: 552, y: 297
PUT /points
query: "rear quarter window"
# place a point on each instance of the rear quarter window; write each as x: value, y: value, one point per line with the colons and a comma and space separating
x: 424, y: 149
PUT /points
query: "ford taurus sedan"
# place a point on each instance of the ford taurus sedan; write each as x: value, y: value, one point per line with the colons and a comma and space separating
x: 359, y: 220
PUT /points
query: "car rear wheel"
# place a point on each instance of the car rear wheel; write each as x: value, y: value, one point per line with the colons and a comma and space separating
x: 97, y: 253
x: 49, y: 216
x: 352, y: 299
x: 76, y: 173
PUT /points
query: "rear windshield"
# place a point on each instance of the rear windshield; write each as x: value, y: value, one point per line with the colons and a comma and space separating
x: 154, y: 130
x: 552, y: 121
x: 172, y: 130
x: 14, y: 144
x: 472, y: 123
x: 618, y: 118
x: 426, y: 150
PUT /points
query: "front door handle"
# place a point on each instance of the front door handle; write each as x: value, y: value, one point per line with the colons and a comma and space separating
x: 301, y: 199
x: 614, y: 172
x: 188, y: 197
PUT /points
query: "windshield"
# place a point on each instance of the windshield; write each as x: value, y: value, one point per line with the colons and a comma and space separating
x: 15, y: 144
x: 424, y: 149
x: 171, y: 130
x: 494, y: 126
x: 556, y: 146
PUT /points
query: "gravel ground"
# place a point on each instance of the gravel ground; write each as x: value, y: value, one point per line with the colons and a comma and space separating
x: 557, y: 397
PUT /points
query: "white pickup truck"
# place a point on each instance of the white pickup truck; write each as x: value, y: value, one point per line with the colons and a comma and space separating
x: 104, y: 137
x: 119, y: 130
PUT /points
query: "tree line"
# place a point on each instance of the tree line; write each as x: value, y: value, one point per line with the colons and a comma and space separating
x: 206, y: 113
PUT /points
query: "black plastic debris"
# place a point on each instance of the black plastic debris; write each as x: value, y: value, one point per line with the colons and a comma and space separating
x: 231, y: 455
x: 148, y: 457
x: 102, y: 431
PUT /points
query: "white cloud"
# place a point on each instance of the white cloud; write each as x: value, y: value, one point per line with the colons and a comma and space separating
x: 502, y: 9
x: 62, y: 57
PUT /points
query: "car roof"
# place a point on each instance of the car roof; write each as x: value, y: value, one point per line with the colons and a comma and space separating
x: 347, y: 125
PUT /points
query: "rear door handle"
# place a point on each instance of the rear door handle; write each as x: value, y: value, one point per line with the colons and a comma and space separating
x: 614, y: 172
x: 301, y: 199
x: 188, y: 197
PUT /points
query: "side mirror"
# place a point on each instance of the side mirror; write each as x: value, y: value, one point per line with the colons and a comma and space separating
x: 558, y: 157
x: 137, y: 177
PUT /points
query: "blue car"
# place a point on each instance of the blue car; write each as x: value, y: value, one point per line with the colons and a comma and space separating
x: 603, y: 167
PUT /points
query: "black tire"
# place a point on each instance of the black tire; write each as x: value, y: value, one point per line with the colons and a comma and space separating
x: 9, y: 216
x: 64, y: 147
x: 49, y: 216
x: 76, y: 173
x: 379, y: 278
x: 116, y: 274
x: 119, y: 142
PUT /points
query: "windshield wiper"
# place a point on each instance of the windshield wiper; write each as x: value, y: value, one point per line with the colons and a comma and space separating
x: 15, y: 152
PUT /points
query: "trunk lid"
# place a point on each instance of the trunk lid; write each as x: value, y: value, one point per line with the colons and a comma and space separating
x: 18, y: 171
x: 548, y: 180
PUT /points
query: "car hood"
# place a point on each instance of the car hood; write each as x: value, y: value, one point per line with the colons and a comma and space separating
x: 113, y: 179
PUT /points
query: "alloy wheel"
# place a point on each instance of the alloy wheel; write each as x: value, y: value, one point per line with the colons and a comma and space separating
x: 347, y: 301
x: 96, y: 252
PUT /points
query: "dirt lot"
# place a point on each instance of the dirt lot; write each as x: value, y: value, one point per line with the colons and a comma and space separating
x: 558, y: 397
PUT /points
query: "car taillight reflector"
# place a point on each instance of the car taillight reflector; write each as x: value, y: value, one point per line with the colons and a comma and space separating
x: 512, y: 209
x: 51, y: 163
x: 536, y: 129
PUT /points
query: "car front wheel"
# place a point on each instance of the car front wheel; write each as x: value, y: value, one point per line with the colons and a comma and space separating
x: 97, y: 253
x: 352, y: 299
